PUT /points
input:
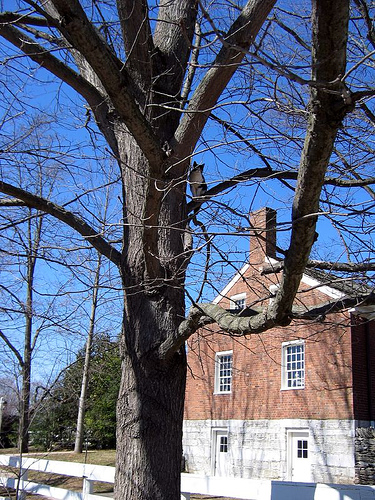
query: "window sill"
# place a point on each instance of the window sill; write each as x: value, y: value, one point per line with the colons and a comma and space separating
x: 292, y: 388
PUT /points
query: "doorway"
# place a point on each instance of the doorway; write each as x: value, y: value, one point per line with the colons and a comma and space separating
x: 299, y: 466
x: 220, y: 452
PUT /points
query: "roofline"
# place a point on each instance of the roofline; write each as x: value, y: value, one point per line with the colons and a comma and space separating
x: 327, y: 290
x: 307, y: 280
x: 232, y: 282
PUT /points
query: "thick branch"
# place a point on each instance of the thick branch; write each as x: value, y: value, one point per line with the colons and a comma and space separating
x: 327, y: 110
x: 17, y: 18
x: 237, y: 41
x: 136, y: 33
x: 69, y: 218
x: 173, y: 37
x: 205, y: 314
x: 82, y: 35
x: 44, y: 58
x: 268, y: 173
x: 349, y: 267
x: 11, y: 202
x: 321, y: 311
x: 254, y: 321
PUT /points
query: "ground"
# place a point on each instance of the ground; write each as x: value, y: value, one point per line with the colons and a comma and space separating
x: 97, y: 457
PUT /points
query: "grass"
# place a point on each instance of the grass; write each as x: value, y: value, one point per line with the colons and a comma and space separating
x: 97, y: 457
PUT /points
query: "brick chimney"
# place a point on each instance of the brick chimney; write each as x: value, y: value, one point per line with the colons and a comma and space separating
x: 262, y: 235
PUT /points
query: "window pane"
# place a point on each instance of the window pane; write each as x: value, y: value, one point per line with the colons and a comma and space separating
x: 302, y: 449
x: 223, y: 444
x: 224, y: 373
x: 295, y: 365
x: 240, y: 303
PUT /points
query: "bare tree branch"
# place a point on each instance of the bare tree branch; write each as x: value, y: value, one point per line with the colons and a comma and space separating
x: 321, y: 311
x: 238, y: 40
x: 65, y: 216
x: 268, y: 173
x: 12, y: 348
x: 51, y: 63
x: 349, y: 267
x: 192, y: 67
x: 111, y: 72
x: 11, y: 202
x: 363, y: 8
x: 15, y: 18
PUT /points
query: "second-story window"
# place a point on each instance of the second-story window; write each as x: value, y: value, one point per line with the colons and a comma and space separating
x: 293, y: 365
x: 223, y: 372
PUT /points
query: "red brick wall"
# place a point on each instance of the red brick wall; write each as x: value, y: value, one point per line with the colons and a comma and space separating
x: 256, y: 389
x: 335, y: 361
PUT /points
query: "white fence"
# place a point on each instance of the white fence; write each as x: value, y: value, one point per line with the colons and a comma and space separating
x: 248, y: 489
x: 88, y: 473
x: 254, y: 489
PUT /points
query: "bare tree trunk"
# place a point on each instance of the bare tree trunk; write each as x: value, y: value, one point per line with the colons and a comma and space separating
x: 24, y: 421
x: 78, y: 445
x: 149, y: 412
x: 151, y: 397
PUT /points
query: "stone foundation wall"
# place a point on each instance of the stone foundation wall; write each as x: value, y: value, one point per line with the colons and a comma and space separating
x: 365, y: 455
x: 258, y: 449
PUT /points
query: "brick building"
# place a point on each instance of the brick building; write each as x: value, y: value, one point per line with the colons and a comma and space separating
x: 285, y: 404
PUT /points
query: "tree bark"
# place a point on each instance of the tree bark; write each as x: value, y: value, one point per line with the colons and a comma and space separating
x: 151, y: 397
x: 149, y: 414
x: 24, y: 422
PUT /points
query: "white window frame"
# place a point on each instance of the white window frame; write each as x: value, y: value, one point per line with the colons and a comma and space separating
x: 293, y: 366
x: 234, y: 299
x: 221, y: 379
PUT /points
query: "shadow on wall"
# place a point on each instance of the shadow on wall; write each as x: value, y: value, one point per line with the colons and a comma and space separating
x: 293, y: 491
x: 255, y: 411
x: 318, y: 491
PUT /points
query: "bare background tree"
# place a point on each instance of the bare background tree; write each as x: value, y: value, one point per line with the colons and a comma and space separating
x: 96, y: 285
x: 28, y: 307
x: 44, y: 302
x: 276, y: 103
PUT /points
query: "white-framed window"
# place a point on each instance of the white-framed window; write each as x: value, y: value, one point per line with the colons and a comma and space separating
x: 293, y: 365
x: 223, y: 372
x: 238, y: 301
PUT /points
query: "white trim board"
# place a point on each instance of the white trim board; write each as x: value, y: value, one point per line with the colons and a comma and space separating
x: 331, y: 292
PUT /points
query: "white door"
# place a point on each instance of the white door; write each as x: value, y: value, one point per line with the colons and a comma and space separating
x: 221, y: 453
x: 299, y: 456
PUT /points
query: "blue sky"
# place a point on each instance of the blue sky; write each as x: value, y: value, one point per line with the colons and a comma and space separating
x: 253, y: 103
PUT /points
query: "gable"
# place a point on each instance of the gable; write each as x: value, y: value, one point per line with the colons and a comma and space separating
x: 311, y: 282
